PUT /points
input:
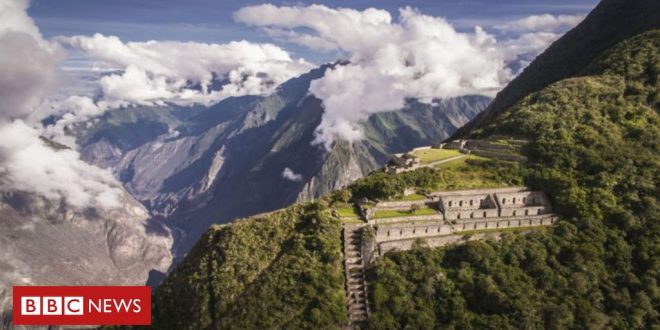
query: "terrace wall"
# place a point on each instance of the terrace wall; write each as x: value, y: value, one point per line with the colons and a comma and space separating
x: 466, y: 215
x: 432, y: 242
x: 403, y: 205
x: 429, y: 217
x: 385, y: 234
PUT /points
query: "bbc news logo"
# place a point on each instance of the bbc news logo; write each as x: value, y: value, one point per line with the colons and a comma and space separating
x: 82, y: 305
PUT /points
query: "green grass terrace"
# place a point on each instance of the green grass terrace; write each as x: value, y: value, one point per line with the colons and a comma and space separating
x: 381, y: 214
x: 411, y: 197
x: 475, y: 172
x: 347, y: 212
x: 427, y: 156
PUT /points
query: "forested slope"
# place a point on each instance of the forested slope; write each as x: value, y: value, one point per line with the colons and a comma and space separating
x: 594, y: 149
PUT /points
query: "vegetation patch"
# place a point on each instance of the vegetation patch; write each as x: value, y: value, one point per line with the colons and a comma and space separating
x: 280, y: 270
x: 478, y: 172
x: 411, y: 197
x: 427, y: 156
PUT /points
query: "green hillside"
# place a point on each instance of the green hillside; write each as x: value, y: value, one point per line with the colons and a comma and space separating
x: 280, y: 270
x: 611, y: 22
x: 594, y: 149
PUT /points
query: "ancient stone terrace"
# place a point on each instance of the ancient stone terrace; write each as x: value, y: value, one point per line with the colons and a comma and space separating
x: 519, y: 203
x: 468, y: 205
x: 459, y: 216
x: 461, y: 211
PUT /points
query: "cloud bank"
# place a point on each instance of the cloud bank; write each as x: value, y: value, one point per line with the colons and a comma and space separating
x: 28, y: 64
x: 156, y: 72
x: 545, y: 22
x: 417, y: 56
x: 28, y: 164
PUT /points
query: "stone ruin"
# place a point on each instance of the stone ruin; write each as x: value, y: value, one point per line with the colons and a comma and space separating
x: 458, y: 211
x: 482, y: 214
x: 402, y: 163
x: 487, y: 149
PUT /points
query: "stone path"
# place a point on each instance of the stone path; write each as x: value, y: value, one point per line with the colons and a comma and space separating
x: 356, y: 289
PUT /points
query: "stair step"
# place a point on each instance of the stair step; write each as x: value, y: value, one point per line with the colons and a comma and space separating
x: 354, y: 274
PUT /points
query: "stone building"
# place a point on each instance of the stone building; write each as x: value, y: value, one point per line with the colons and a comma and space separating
x: 468, y: 206
x: 521, y: 203
x: 491, y: 203
x: 402, y: 163
x: 455, y: 144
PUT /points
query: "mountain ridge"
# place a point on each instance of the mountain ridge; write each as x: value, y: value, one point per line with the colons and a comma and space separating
x: 609, y: 23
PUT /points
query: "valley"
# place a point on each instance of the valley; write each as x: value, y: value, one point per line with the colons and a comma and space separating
x: 215, y: 164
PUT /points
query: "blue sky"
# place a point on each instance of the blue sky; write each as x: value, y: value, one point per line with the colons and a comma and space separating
x: 211, y: 20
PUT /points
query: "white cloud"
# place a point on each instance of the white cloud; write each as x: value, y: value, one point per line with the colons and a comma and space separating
x: 545, y: 22
x: 28, y: 164
x: 28, y: 64
x: 184, y: 73
x: 290, y: 175
x: 418, y: 56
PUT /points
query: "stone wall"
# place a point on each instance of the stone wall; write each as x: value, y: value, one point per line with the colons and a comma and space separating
x: 462, y: 215
x: 403, y: 205
x: 485, y: 145
x: 523, y: 211
x: 409, y: 231
x: 430, y: 217
x: 432, y: 242
x: 466, y: 201
x: 521, y: 198
x: 397, y: 232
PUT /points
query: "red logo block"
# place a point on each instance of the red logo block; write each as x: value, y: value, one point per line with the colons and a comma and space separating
x: 82, y: 305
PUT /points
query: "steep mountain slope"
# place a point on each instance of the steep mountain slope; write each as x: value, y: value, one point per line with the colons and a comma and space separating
x: 46, y: 243
x: 288, y: 263
x: 227, y: 161
x: 608, y: 24
x: 594, y: 146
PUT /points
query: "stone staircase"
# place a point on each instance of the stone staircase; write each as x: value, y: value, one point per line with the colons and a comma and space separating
x: 356, y: 284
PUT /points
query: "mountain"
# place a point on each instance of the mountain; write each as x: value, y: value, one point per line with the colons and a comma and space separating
x: 593, y: 140
x: 608, y: 24
x: 47, y: 243
x: 227, y: 161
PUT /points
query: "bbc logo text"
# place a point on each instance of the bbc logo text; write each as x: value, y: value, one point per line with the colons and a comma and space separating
x: 76, y: 305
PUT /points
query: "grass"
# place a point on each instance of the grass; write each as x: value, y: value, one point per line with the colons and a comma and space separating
x: 351, y: 220
x: 347, y: 212
x: 412, y: 197
x: 427, y: 156
x: 403, y: 213
x: 501, y: 230
x: 475, y: 172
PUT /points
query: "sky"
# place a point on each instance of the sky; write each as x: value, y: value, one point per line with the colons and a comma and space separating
x: 211, y: 20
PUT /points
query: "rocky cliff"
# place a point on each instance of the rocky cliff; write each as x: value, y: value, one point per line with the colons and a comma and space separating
x: 47, y: 243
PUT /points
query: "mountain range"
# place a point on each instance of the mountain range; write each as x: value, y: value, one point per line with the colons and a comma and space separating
x: 193, y: 167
